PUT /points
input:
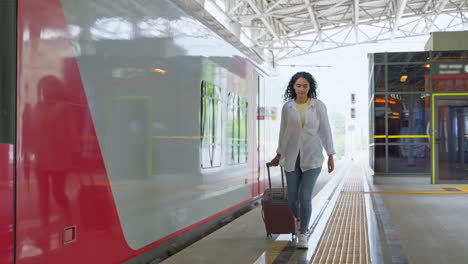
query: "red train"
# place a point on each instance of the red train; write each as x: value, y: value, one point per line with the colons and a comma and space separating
x: 124, y: 125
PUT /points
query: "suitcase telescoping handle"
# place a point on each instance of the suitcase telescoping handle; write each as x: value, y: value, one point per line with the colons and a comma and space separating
x: 268, y: 164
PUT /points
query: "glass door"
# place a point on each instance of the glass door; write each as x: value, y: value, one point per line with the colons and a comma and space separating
x: 450, y: 144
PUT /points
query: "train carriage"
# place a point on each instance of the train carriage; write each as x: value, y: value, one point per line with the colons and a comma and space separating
x: 125, y: 125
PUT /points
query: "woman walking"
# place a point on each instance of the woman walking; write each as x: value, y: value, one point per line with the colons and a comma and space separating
x: 304, y: 131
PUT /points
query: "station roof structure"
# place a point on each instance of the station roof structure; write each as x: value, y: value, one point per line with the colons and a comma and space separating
x: 290, y: 28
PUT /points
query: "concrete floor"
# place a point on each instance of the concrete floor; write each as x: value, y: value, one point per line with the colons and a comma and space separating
x: 432, y: 228
x: 419, y: 228
x: 241, y: 241
x: 245, y: 236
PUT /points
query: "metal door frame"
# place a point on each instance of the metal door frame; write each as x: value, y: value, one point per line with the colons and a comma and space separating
x: 435, y: 155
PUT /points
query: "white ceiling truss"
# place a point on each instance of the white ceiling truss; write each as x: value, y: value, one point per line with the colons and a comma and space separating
x: 287, y: 29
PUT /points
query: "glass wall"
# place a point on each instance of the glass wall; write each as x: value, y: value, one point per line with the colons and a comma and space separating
x: 401, y: 87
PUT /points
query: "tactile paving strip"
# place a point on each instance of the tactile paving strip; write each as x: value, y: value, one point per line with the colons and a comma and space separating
x: 345, y: 239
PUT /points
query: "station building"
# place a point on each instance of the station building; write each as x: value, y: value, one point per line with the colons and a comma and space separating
x: 419, y: 112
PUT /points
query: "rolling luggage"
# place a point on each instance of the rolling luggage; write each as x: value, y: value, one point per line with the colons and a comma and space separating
x: 277, y: 215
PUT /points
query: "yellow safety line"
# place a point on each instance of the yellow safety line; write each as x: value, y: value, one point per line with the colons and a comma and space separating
x: 237, y: 139
x: 409, y: 136
x: 420, y: 192
x: 179, y: 137
x: 462, y: 188
x: 198, y: 137
x: 402, y: 136
x: 445, y: 94
x: 274, y: 250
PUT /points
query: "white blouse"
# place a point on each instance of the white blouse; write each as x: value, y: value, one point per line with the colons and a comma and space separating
x: 307, y: 140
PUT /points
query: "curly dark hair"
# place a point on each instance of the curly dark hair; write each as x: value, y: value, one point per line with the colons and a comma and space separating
x: 291, y: 94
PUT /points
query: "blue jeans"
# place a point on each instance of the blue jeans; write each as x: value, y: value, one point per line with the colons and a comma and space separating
x: 300, y: 186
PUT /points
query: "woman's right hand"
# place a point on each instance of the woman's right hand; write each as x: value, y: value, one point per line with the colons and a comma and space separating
x: 275, y: 160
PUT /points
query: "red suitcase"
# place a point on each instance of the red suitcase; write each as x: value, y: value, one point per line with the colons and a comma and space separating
x: 277, y: 215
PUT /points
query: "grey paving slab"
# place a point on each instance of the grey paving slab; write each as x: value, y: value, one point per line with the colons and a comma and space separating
x: 408, y: 188
x: 432, y: 228
x: 241, y: 241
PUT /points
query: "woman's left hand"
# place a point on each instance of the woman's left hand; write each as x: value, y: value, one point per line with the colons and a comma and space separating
x: 331, y: 164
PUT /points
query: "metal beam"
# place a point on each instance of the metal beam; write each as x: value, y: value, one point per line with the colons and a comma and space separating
x: 289, y: 10
x: 232, y: 10
x: 356, y: 12
x: 306, y: 26
x: 263, y: 19
x: 401, y: 9
x: 312, y: 15
x: 439, y: 7
x: 273, y: 6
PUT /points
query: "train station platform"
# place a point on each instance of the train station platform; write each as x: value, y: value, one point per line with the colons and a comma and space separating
x: 353, y: 221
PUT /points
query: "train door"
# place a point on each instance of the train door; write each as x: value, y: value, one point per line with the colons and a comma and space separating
x: 7, y: 127
x: 450, y: 134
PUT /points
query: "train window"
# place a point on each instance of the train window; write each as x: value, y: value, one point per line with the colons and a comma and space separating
x: 243, y: 149
x: 232, y: 129
x: 210, y: 125
x: 237, y: 129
